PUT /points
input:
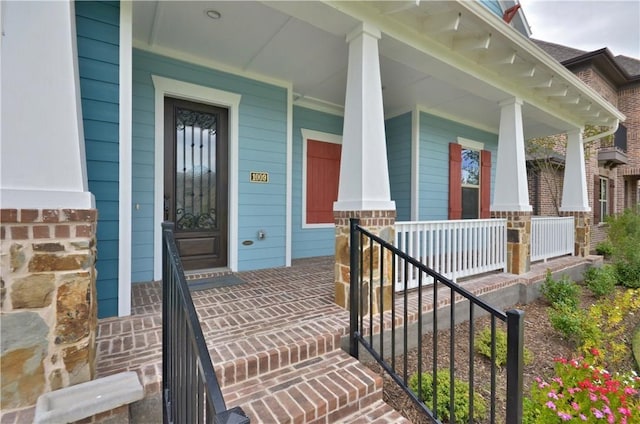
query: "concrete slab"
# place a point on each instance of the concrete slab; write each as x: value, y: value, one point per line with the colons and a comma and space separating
x: 84, y: 400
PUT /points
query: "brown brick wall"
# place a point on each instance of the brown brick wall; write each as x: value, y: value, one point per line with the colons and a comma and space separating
x: 627, y: 100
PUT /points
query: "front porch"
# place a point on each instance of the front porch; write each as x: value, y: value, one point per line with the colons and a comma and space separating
x: 275, y: 340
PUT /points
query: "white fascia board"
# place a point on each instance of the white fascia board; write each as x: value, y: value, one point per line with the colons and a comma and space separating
x: 527, y: 46
x: 289, y: 178
x: 454, y: 118
x: 318, y: 105
x: 208, y: 63
x: 512, y: 88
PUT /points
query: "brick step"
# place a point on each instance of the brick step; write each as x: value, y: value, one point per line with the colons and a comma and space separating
x: 323, y: 389
x: 377, y: 413
x: 251, y: 357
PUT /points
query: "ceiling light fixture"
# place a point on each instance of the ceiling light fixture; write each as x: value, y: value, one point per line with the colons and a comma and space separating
x: 213, y: 14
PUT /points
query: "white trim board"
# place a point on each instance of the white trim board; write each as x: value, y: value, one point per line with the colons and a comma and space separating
x: 188, y: 91
x: 319, y: 136
x: 125, y: 159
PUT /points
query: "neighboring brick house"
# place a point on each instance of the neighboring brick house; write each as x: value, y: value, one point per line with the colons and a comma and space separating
x: 612, y: 165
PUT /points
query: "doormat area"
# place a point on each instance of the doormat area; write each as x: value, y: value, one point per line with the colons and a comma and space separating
x: 215, y: 282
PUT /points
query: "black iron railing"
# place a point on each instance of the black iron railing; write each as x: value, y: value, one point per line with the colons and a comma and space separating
x: 190, y: 389
x: 372, y: 258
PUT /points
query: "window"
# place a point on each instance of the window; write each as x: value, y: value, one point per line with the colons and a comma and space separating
x: 603, y: 189
x: 603, y: 200
x: 321, y: 176
x: 469, y: 180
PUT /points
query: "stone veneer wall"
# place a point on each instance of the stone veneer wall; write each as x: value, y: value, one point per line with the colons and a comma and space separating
x: 582, y: 225
x: 48, y: 309
x: 382, y: 224
x: 518, y: 240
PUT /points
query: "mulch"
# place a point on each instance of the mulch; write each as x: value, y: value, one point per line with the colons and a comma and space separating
x: 541, y: 339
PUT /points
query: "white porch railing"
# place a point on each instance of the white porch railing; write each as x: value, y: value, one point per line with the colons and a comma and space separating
x: 551, y: 237
x: 455, y: 249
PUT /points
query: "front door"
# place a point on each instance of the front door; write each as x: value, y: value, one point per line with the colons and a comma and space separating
x: 195, y: 181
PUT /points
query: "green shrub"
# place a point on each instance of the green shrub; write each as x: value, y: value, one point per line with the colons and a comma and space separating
x: 482, y: 345
x: 461, y: 396
x: 624, y: 235
x: 604, y: 248
x: 562, y: 291
x: 601, y: 281
x: 628, y: 274
x: 573, y: 323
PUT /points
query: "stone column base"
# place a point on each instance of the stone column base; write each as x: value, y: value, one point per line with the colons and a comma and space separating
x: 518, y: 240
x: 582, y: 225
x: 382, y: 224
x: 48, y: 301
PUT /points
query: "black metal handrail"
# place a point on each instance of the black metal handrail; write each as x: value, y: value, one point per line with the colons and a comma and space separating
x: 360, y: 239
x: 190, y: 389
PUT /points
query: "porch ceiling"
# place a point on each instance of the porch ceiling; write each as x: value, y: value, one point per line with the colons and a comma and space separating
x: 303, y: 44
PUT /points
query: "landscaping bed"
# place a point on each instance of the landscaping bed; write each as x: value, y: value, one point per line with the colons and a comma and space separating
x: 541, y: 339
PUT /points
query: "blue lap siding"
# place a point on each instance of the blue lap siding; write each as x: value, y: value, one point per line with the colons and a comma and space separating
x: 98, y: 35
x: 308, y: 242
x: 398, y: 134
x: 262, y: 136
x: 435, y: 135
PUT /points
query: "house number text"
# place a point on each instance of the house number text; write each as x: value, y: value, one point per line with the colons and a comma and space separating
x: 259, y: 177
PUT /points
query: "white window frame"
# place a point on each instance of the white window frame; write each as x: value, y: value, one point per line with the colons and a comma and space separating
x: 317, y: 136
x: 603, y: 201
x: 197, y: 93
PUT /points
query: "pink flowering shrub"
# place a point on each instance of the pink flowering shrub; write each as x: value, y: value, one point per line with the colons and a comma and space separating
x: 581, y: 392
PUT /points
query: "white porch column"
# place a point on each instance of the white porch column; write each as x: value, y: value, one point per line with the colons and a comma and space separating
x: 42, y: 162
x: 364, y: 174
x: 575, y: 200
x: 364, y: 190
x: 511, y: 192
x: 574, y: 189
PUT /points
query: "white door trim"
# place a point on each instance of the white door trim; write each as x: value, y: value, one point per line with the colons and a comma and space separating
x: 197, y: 93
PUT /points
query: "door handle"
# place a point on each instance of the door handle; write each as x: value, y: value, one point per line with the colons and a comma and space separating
x: 166, y: 208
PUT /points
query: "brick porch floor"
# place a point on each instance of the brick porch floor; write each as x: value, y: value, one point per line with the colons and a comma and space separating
x: 275, y: 342
x: 262, y: 333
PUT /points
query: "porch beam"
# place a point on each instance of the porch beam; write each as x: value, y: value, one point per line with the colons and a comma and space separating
x: 511, y: 192
x: 574, y: 189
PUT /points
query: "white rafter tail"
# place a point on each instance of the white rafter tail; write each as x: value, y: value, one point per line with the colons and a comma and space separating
x: 521, y: 70
x: 396, y: 7
x: 540, y: 83
x: 584, y: 108
x: 554, y: 91
x: 498, y: 58
x: 442, y: 22
x: 592, y: 115
x: 570, y: 100
x: 474, y: 43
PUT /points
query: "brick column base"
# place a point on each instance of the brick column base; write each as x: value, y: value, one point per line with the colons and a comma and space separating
x: 382, y: 224
x: 518, y: 240
x: 582, y: 233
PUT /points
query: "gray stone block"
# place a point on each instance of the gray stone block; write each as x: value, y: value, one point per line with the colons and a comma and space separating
x: 84, y: 400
